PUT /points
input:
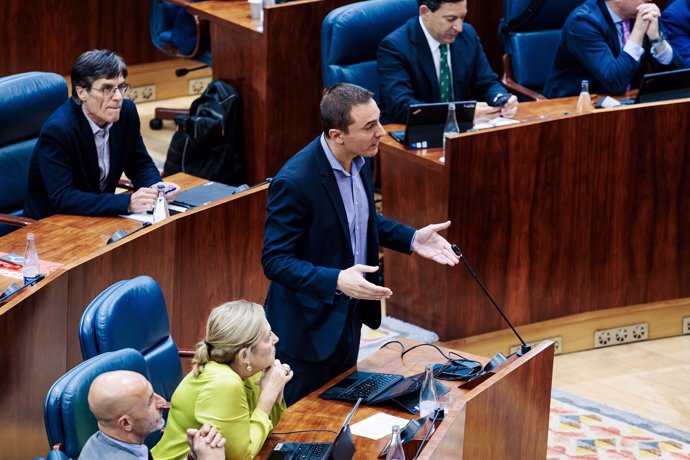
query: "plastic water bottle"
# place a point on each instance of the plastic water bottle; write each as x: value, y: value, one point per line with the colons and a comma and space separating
x: 32, y: 265
x: 395, y: 447
x: 160, y: 210
x: 428, y: 401
x: 584, y: 103
x: 451, y: 126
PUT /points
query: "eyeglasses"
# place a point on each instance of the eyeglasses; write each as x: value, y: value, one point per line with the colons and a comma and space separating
x: 108, y: 91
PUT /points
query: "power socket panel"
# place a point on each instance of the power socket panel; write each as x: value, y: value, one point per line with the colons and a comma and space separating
x: 686, y: 325
x: 144, y: 93
x: 557, y: 345
x: 198, y: 85
x: 620, y: 335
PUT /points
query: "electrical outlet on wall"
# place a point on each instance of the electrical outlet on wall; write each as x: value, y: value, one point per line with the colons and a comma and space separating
x: 619, y: 335
x: 198, y: 85
x: 144, y: 93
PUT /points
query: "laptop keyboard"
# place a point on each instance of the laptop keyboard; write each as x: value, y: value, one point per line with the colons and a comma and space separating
x: 310, y: 450
x: 370, y: 387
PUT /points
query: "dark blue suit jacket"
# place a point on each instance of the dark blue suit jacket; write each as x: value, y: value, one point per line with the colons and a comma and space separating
x: 589, y: 49
x: 64, y: 173
x: 306, y: 245
x: 408, y: 75
x: 676, y: 21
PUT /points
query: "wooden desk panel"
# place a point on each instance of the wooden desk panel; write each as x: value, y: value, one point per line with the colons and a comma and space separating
x: 557, y: 217
x: 507, y: 413
x: 277, y: 71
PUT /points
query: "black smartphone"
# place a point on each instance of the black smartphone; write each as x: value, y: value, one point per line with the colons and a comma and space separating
x: 500, y: 100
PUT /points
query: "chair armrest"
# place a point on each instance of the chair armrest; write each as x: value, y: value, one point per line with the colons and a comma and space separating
x: 186, y: 353
x: 515, y: 87
x: 15, y: 220
x: 125, y: 183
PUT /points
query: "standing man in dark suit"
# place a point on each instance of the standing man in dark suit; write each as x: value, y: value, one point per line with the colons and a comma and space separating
x: 437, y: 57
x: 676, y: 21
x: 609, y: 43
x: 86, y: 145
x: 321, y: 241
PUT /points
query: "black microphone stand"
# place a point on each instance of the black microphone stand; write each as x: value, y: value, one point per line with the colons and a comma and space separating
x: 524, y: 348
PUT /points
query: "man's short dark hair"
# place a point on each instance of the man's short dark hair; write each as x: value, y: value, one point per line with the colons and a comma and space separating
x: 95, y: 64
x: 337, y: 103
x: 433, y: 5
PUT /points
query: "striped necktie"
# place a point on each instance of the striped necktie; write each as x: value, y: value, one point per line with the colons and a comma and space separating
x: 444, y: 75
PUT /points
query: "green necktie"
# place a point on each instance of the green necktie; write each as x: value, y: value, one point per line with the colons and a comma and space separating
x: 444, y: 76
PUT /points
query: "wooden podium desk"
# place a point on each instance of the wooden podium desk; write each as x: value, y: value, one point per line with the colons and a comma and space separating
x: 559, y: 216
x: 504, y: 417
x: 276, y: 67
x: 200, y: 258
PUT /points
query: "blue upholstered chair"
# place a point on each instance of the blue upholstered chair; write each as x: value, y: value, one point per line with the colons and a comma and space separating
x: 178, y: 34
x: 132, y: 314
x: 530, y: 30
x: 350, y: 37
x: 26, y: 101
x: 68, y: 419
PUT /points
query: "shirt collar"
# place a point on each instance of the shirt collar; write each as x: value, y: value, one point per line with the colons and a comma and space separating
x: 357, y: 163
x: 94, y: 127
x: 616, y: 19
x: 433, y: 44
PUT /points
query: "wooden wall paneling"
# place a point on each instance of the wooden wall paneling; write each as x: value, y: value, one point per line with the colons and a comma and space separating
x: 565, y: 216
x: 225, y: 242
x: 576, y: 222
x: 417, y: 198
x: 33, y: 355
x: 239, y: 57
x: 518, y: 396
x: 50, y: 35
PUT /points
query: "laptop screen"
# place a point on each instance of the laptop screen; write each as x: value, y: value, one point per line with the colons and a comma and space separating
x: 664, y: 86
x: 425, y: 122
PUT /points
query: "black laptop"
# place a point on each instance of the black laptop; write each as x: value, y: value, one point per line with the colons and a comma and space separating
x: 663, y: 86
x: 342, y: 447
x: 374, y: 387
x: 425, y: 123
x: 205, y: 193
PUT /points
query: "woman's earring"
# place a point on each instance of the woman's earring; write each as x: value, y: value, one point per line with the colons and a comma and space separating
x: 249, y: 367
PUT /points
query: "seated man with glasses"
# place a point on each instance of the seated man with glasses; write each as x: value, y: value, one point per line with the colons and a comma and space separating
x: 86, y: 145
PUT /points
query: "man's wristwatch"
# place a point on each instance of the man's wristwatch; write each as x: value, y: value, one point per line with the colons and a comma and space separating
x: 659, y: 40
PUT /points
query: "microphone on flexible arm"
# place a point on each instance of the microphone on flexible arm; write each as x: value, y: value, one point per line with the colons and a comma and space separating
x: 524, y: 348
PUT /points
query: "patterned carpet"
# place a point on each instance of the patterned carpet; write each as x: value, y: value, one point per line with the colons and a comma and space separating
x: 580, y: 429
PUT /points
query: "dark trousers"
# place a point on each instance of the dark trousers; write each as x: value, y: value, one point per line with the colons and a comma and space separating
x: 308, y: 376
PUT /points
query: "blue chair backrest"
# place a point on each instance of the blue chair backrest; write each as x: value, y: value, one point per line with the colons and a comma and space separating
x: 132, y: 314
x: 174, y: 30
x: 531, y: 39
x: 67, y: 416
x: 26, y: 101
x: 350, y: 37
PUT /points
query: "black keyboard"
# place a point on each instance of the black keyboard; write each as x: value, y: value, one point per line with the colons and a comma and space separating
x: 311, y: 450
x: 369, y: 387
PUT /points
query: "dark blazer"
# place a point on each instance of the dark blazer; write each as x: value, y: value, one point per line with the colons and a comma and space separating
x: 306, y: 245
x: 589, y: 49
x: 676, y: 22
x: 408, y: 75
x: 64, y: 173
